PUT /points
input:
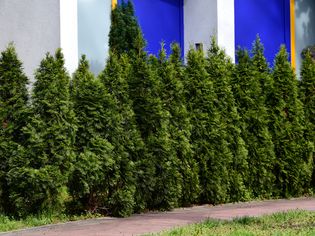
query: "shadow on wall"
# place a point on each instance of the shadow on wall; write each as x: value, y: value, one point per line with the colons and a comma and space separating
x: 305, y: 19
x: 304, y: 26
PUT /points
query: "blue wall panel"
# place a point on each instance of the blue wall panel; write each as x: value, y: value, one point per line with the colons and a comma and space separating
x: 270, y: 19
x: 160, y: 20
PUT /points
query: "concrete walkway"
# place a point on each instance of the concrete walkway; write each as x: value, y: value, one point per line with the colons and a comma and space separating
x: 155, y: 222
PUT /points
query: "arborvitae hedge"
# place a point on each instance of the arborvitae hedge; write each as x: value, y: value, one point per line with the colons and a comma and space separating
x: 173, y: 96
x: 251, y: 104
x: 171, y: 92
x: 114, y: 77
x: 152, y: 133
x: 13, y: 116
x: 307, y: 96
x: 208, y: 136
x: 220, y: 69
x: 95, y: 168
x: 153, y: 122
x: 287, y: 125
x: 38, y: 178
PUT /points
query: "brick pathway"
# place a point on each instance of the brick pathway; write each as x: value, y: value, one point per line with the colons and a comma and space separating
x: 155, y: 222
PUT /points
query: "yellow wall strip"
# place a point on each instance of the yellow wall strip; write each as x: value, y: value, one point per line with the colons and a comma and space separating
x: 114, y: 3
x: 292, y: 23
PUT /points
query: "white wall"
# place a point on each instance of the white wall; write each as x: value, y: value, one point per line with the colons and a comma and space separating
x: 200, y: 22
x: 93, y: 27
x: 226, y: 26
x: 69, y: 33
x: 33, y: 26
x: 204, y: 18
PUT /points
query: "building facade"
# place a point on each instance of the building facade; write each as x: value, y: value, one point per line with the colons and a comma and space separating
x: 82, y: 26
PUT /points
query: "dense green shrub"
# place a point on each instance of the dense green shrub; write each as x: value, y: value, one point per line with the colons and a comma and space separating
x: 153, y: 121
x: 152, y: 133
x: 171, y: 93
x: 13, y: 117
x: 114, y: 77
x: 95, y: 167
x: 220, y: 70
x: 293, y: 164
x: 171, y: 73
x: 101, y: 120
x: 307, y: 96
x: 208, y: 136
x: 251, y: 104
x: 38, y: 178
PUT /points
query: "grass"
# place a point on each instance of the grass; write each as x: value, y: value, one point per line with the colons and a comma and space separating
x: 9, y: 224
x: 293, y: 223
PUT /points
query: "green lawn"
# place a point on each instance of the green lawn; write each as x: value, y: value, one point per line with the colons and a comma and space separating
x: 9, y: 224
x: 291, y: 223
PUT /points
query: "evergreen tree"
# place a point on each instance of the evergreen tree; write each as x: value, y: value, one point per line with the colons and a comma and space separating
x: 262, y: 70
x: 124, y: 29
x: 251, y: 104
x: 208, y: 135
x: 153, y: 122
x: 95, y: 170
x: 38, y: 179
x: 13, y: 117
x: 293, y: 167
x: 307, y: 95
x: 220, y: 69
x: 118, y: 168
x: 172, y: 94
x: 114, y: 77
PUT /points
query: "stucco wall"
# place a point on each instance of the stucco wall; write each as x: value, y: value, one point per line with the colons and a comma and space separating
x: 200, y: 22
x: 93, y: 30
x: 202, y: 19
x: 33, y: 26
x: 304, y: 27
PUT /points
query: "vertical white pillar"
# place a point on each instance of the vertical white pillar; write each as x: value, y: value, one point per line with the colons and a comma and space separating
x: 69, y: 33
x: 226, y: 26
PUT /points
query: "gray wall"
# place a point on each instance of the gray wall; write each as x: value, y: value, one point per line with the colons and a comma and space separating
x: 93, y: 30
x: 205, y: 18
x: 33, y: 26
x: 304, y: 27
x: 200, y: 22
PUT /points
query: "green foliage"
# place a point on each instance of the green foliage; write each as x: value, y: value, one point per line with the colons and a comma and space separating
x: 307, y: 96
x: 95, y: 169
x: 171, y: 73
x: 124, y: 29
x: 208, y: 135
x: 152, y: 133
x: 220, y: 69
x: 164, y: 186
x: 38, y: 177
x: 13, y: 117
x: 114, y: 77
x: 251, y: 104
x: 294, y: 160
x: 308, y: 50
x: 172, y: 98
